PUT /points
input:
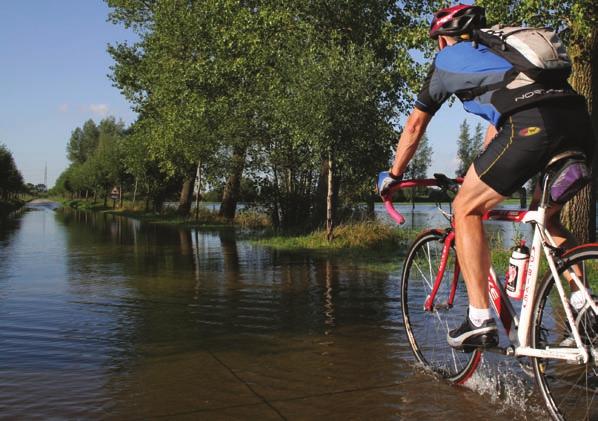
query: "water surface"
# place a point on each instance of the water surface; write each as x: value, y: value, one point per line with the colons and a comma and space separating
x: 104, y: 317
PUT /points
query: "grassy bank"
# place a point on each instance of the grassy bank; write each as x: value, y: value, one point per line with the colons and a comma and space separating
x: 372, y: 244
x: 81, y: 204
x: 204, y: 218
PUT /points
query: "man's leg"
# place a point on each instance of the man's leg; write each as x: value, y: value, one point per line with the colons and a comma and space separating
x: 561, y: 235
x: 474, y: 198
x: 564, y: 239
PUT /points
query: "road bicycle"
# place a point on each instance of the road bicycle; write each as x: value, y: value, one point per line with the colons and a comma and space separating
x: 560, y: 343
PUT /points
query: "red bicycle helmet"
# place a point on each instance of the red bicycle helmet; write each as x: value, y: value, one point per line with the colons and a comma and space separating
x: 457, y: 20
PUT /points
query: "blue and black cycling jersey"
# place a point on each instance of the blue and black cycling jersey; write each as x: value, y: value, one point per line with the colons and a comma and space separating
x: 461, y: 68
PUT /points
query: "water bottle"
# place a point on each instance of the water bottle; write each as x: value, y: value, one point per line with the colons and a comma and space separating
x: 515, y: 277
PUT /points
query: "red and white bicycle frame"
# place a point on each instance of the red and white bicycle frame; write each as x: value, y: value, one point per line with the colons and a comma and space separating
x: 517, y: 329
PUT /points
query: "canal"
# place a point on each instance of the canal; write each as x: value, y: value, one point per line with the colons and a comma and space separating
x: 104, y: 317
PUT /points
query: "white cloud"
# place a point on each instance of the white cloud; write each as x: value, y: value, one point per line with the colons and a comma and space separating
x: 63, y: 108
x: 99, y: 109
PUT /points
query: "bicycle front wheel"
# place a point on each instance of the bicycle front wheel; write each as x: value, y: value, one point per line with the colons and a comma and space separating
x: 570, y: 390
x: 427, y: 330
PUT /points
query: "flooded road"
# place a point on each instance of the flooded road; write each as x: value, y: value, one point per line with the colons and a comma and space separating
x: 103, y: 317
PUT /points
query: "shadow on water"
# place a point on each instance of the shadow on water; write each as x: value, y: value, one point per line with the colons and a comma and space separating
x: 102, y: 316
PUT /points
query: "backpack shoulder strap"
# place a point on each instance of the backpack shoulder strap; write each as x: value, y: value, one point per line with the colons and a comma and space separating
x: 469, y: 94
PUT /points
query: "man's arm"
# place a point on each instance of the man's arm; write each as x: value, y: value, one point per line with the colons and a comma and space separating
x: 412, y: 133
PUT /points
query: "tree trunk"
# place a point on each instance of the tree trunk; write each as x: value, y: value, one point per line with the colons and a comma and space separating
x: 186, y: 196
x: 134, y: 192
x: 329, y: 199
x: 197, y: 189
x: 579, y: 215
x: 319, y: 209
x: 276, y: 207
x: 120, y: 196
x: 230, y: 196
x: 371, y: 206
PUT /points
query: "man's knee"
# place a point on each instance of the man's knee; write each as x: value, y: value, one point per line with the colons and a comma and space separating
x: 475, y: 196
x: 463, y: 206
x: 470, y: 201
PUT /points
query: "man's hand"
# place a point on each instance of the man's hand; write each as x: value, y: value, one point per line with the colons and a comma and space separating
x: 386, y: 181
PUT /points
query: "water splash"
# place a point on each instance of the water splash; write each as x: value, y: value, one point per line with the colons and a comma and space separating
x: 507, y: 386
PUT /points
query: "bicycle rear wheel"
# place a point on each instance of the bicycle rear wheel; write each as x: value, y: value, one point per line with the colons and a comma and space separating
x: 570, y: 391
x: 427, y: 330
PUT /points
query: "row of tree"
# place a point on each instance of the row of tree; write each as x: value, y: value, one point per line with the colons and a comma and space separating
x: 300, y: 99
x: 11, y: 179
x: 97, y: 155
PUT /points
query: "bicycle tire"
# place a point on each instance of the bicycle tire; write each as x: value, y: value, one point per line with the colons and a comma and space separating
x: 570, y: 391
x: 427, y: 330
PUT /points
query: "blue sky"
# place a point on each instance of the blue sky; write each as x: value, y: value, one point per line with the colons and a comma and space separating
x: 54, y: 77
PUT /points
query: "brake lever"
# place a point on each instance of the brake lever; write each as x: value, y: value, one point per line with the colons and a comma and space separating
x: 446, y: 183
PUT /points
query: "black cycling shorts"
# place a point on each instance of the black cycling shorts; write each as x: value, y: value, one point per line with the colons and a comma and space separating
x: 528, y: 140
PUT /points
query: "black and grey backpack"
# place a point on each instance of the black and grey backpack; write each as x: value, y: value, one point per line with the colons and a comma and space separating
x: 537, y: 55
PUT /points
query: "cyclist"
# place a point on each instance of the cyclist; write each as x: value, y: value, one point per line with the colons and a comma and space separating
x: 529, y: 124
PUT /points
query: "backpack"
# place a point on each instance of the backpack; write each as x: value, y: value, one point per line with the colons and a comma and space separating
x: 537, y: 55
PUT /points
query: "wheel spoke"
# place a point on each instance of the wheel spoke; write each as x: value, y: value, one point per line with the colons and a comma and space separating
x: 427, y: 329
x: 569, y: 390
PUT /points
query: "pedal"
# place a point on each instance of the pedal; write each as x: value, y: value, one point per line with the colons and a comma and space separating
x: 488, y: 347
x: 499, y: 350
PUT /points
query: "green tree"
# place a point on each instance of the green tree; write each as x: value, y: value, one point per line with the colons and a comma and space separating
x: 83, y: 142
x: 418, y: 167
x: 97, y: 159
x: 421, y: 161
x: 464, y: 149
x: 477, y: 141
x: 300, y: 97
x: 11, y: 180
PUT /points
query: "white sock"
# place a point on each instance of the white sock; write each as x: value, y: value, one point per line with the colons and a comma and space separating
x: 578, y: 299
x: 477, y: 316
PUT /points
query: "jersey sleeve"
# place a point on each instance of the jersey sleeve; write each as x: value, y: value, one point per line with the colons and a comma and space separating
x: 433, y: 93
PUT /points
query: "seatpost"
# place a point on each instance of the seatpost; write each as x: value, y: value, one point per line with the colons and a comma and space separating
x: 545, y: 201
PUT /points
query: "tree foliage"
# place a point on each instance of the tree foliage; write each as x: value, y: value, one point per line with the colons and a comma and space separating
x: 282, y: 93
x: 97, y: 159
x: 468, y: 147
x: 421, y: 161
x: 11, y: 179
x: 83, y: 142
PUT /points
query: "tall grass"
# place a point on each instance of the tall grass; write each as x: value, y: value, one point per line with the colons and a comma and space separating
x: 368, y: 235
